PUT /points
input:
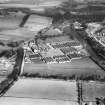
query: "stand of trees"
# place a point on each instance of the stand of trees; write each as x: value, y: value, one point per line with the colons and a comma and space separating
x: 15, y: 43
x: 8, y: 82
x: 7, y: 53
x: 92, y: 77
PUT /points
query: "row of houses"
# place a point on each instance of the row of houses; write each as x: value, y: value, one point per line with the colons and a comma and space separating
x: 96, y: 31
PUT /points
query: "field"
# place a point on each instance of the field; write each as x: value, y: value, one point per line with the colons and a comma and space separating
x: 9, y: 30
x: 2, y: 78
x: 80, y: 67
x: 32, y: 4
x: 11, y: 21
x: 35, y: 23
x: 44, y: 89
x: 35, y: 2
x: 25, y: 101
x: 17, y: 34
x: 58, y: 39
x: 92, y: 90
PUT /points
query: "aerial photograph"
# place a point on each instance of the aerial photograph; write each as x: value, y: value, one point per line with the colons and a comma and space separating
x: 52, y: 52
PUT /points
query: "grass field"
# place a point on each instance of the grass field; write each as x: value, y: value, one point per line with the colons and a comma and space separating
x: 32, y: 4
x: 9, y: 30
x: 11, y: 21
x: 44, y: 89
x: 91, y: 90
x: 57, y: 39
x: 25, y: 101
x: 81, y: 67
x: 35, y: 23
x: 17, y: 34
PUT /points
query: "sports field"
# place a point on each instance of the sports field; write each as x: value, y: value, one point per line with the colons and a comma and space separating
x: 28, y: 101
x: 44, y: 89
